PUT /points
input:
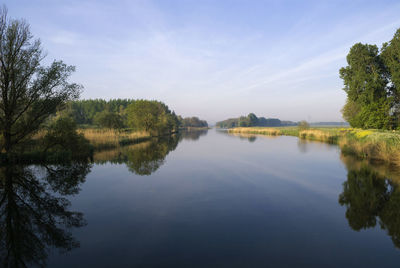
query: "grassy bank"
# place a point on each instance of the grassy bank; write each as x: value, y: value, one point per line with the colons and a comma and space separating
x: 374, y: 145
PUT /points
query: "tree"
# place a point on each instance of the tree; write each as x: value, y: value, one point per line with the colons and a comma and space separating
x: 350, y: 111
x: 371, y: 81
x: 62, y: 134
x: 29, y: 92
x: 151, y: 116
x: 253, y: 120
x: 391, y: 57
x: 109, y: 119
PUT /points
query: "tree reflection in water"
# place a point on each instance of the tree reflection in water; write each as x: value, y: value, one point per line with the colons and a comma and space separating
x: 193, y: 134
x: 146, y: 157
x: 371, y: 198
x: 34, y: 211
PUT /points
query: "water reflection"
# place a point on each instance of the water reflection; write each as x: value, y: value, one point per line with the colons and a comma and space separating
x: 34, y: 211
x: 193, y: 135
x: 371, y: 196
x: 146, y: 157
x: 371, y: 192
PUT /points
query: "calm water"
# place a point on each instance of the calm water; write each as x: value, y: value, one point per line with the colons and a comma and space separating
x: 204, y: 199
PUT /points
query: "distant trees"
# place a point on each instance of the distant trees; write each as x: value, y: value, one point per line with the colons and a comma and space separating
x: 303, y: 125
x: 372, y: 82
x: 193, y: 122
x: 29, y: 92
x: 228, y: 123
x: 251, y: 120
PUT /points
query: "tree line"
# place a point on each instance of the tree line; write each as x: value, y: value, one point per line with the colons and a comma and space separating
x: 372, y: 84
x: 148, y: 115
x: 251, y: 120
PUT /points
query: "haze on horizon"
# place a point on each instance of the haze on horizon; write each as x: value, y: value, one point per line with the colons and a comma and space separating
x: 212, y: 59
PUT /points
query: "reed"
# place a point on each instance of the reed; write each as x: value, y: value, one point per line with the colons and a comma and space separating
x: 109, y: 138
x: 256, y: 130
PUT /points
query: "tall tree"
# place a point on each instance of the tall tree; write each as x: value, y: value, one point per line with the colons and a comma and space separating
x: 108, y: 119
x: 391, y: 58
x: 29, y: 92
x: 372, y: 80
x: 151, y: 116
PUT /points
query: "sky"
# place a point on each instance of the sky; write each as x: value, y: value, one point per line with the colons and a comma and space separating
x: 215, y: 59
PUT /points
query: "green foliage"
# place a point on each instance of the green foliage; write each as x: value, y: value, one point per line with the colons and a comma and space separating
x: 109, y: 119
x: 192, y: 122
x: 30, y: 92
x: 375, y: 115
x: 151, y: 116
x: 62, y: 135
x: 85, y: 111
x: 371, y: 81
x: 391, y: 58
x: 251, y: 120
x: 350, y: 111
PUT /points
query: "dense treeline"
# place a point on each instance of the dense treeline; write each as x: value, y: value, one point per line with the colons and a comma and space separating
x: 251, y: 120
x: 152, y: 116
x: 85, y: 111
x: 372, y: 83
x: 148, y: 115
x: 192, y: 122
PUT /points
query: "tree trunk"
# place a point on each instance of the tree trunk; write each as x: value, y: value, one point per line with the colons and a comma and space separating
x: 7, y: 139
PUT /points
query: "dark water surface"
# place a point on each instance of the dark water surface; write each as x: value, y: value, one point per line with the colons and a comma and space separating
x: 203, y: 200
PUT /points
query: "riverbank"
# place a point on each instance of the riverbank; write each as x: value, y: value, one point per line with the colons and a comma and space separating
x: 376, y: 145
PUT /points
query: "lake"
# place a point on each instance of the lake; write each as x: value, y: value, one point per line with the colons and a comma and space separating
x: 203, y: 199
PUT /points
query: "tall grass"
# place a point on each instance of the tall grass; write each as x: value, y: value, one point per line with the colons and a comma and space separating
x: 370, y: 144
x: 109, y: 138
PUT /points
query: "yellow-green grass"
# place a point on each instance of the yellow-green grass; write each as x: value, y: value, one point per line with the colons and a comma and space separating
x: 377, y: 145
x: 109, y: 138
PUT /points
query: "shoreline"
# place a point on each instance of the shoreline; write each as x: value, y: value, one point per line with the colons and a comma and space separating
x: 368, y: 144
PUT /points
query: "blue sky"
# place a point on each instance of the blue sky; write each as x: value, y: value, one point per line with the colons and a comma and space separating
x: 212, y: 59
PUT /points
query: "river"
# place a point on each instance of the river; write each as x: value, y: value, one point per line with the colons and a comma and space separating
x: 203, y: 199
